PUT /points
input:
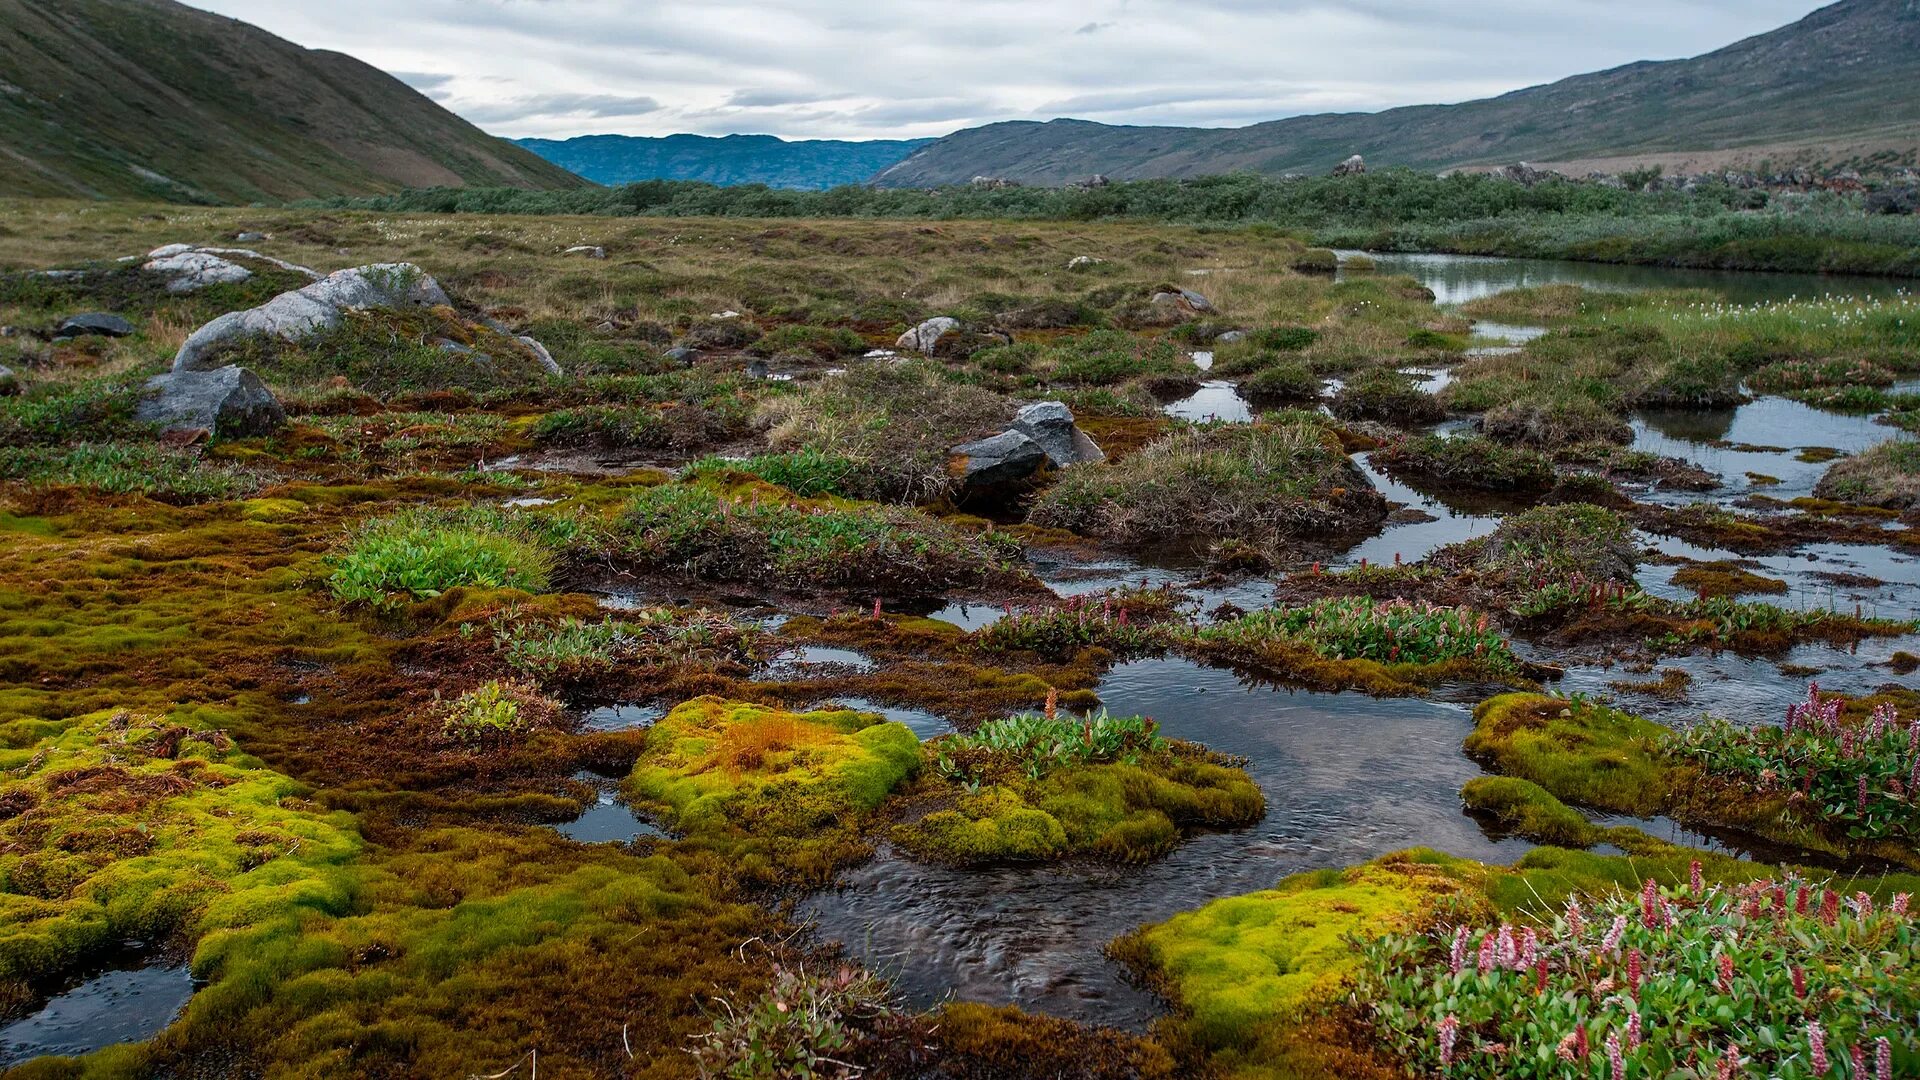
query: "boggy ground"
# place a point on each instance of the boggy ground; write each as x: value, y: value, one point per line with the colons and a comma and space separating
x: 305, y: 706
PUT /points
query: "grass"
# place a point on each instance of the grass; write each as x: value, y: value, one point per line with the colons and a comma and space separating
x: 420, y: 554
x: 1258, y: 482
x: 1886, y: 475
x: 1465, y: 464
x: 120, y: 468
x: 767, y: 536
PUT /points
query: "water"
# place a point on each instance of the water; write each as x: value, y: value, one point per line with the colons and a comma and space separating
x: 607, y: 820
x: 123, y: 1004
x: 1763, y: 437
x: 924, y: 724
x: 1457, y: 279
x: 816, y: 661
x: 1215, y: 400
x: 1456, y: 518
x: 1347, y: 778
x: 623, y: 716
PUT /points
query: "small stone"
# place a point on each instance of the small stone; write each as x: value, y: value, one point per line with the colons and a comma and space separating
x: 1231, y: 336
x: 1081, y: 262
x: 248, y: 237
x: 230, y: 402
x: 757, y: 369
x: 680, y: 354
x: 587, y: 251
x: 98, y: 323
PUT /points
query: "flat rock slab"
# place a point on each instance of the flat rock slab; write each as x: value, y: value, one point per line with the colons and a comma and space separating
x: 1005, y: 458
x: 94, y: 323
x: 293, y: 316
x: 1050, y: 424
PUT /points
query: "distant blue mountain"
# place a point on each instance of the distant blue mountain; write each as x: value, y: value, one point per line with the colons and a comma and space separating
x: 731, y: 159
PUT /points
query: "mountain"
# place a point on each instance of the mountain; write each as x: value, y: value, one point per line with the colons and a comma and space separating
x: 154, y: 99
x: 733, y: 159
x: 1837, y: 85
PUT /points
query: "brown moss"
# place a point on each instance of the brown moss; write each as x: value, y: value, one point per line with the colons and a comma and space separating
x: 1726, y: 578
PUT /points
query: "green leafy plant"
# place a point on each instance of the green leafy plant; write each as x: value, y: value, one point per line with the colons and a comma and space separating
x: 419, y: 554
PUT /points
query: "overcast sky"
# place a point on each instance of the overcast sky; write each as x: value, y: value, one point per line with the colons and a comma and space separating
x: 866, y: 69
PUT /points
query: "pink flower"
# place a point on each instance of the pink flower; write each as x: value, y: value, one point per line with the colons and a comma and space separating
x: 1449, y: 1032
x: 1507, y: 952
x: 1694, y: 877
x: 1817, y: 1048
x: 1486, y: 954
x: 1859, y: 1055
x: 1730, y: 1063
x: 1799, y: 981
x: 1612, y: 941
x: 1726, y: 973
x: 1633, y: 972
x: 1882, y: 1059
x: 1650, y: 904
x: 1900, y: 901
x: 1616, y: 1061
x: 1862, y: 906
x: 1565, y: 1051
x: 1529, y: 950
x: 1633, y: 1031
x: 1459, y: 957
x: 1575, y: 923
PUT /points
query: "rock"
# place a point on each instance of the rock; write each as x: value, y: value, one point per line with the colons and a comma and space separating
x: 540, y: 353
x: 1230, y: 337
x: 1525, y: 174
x: 757, y: 369
x: 191, y: 271
x: 230, y: 402
x: 680, y: 354
x: 248, y: 237
x: 926, y: 337
x: 299, y: 314
x: 1008, y: 457
x: 1050, y: 424
x: 98, y: 323
x: 1353, y: 166
x: 993, y: 182
x: 1081, y: 262
x: 1900, y: 200
x: 727, y: 314
x: 587, y: 251
x: 1097, y: 180
x: 9, y: 382
x: 1195, y: 301
x: 1185, y: 300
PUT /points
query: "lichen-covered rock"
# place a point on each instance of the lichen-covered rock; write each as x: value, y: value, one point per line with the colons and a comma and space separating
x: 294, y: 315
x: 190, y: 269
x: 926, y: 337
x: 1081, y: 262
x: 1353, y: 166
x: 230, y: 402
x: 93, y: 323
x: 1051, y: 425
x: 587, y: 251
x: 1006, y: 458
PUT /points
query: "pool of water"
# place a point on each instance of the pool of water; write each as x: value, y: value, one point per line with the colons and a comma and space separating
x: 607, y: 820
x: 120, y: 1004
x: 1457, y: 279
x: 1763, y: 437
x: 1215, y: 400
x: 1346, y: 777
x: 926, y: 725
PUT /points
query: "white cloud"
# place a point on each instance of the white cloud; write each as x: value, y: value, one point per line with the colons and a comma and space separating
x: 909, y: 68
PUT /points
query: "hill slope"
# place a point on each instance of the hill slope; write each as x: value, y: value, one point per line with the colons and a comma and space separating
x: 734, y: 159
x: 1844, y: 73
x: 151, y: 98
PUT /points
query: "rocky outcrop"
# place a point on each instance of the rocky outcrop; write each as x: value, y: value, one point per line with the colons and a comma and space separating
x: 229, y: 402
x: 925, y: 338
x: 1353, y: 166
x: 93, y: 324
x: 190, y: 269
x: 1525, y: 174
x: 1182, y: 299
x: 293, y: 316
x: 1043, y: 435
x: 1050, y: 423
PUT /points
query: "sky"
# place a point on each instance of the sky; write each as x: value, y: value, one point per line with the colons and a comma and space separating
x: 867, y: 69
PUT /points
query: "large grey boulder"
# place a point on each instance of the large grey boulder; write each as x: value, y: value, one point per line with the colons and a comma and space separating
x: 1006, y: 458
x: 93, y: 323
x: 925, y: 337
x: 293, y: 316
x: 230, y: 402
x: 1353, y: 166
x: 1050, y: 425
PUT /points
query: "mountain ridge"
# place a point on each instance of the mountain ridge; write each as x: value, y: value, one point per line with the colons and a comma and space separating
x: 155, y: 99
x: 1841, y: 70
x: 725, y: 160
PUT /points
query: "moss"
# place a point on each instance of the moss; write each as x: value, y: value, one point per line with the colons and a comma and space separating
x: 1248, y: 974
x: 1121, y: 811
x: 1726, y: 578
x: 771, y: 787
x: 1524, y: 808
x: 1582, y: 753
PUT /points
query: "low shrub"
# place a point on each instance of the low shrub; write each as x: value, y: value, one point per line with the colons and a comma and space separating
x: 419, y: 554
x: 1388, y: 396
x: 1465, y: 464
x: 158, y: 472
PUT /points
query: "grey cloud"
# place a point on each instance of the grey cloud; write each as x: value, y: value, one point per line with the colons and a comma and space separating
x: 1094, y: 28
x: 588, y: 105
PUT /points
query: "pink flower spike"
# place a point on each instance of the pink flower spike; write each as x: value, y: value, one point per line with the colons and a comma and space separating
x: 1449, y: 1032
x: 1882, y: 1059
x: 1694, y: 878
x: 1616, y: 1061
x: 1458, y: 959
x: 1817, y: 1048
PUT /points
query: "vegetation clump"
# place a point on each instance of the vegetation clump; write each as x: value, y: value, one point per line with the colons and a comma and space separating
x: 1388, y: 396
x: 773, y: 789
x: 1888, y: 475
x: 1253, y: 482
x: 1465, y: 464
x: 1786, y: 977
x: 1048, y: 785
x: 572, y: 647
x: 420, y: 554
x: 497, y: 711
x: 1125, y: 622
x: 768, y: 536
x: 1383, y: 647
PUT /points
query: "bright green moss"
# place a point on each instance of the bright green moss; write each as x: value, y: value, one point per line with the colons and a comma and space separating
x: 767, y: 785
x: 1580, y: 752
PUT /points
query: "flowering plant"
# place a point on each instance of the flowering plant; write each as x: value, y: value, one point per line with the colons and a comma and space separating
x: 1860, y: 776
x: 1780, y: 978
